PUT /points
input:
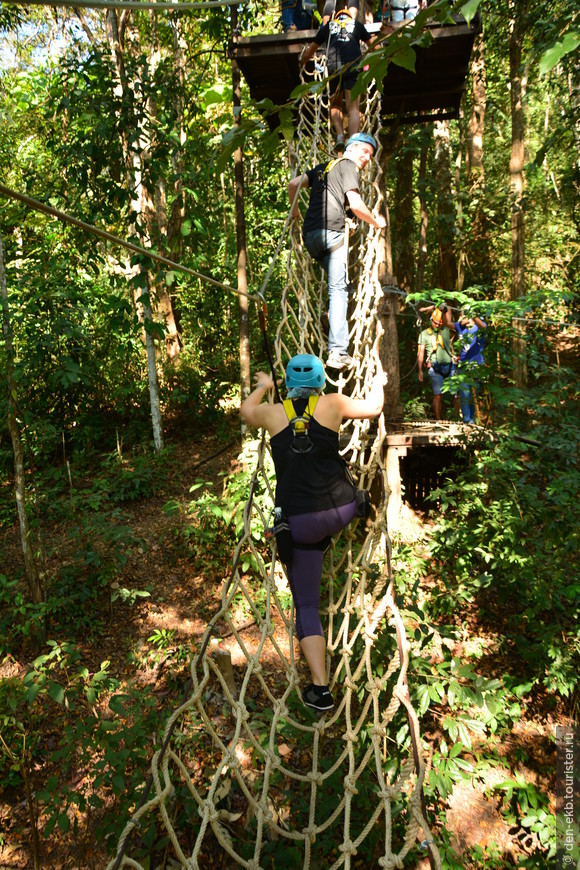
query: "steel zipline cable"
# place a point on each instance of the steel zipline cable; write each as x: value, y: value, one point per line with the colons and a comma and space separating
x: 178, y: 6
x: 109, y: 237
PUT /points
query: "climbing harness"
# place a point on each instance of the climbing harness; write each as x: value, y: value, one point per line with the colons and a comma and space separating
x: 299, y: 423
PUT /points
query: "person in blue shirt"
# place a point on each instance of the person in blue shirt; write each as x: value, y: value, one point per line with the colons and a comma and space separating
x: 470, y: 331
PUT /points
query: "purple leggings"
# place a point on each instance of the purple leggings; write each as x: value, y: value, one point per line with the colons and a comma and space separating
x: 305, y: 569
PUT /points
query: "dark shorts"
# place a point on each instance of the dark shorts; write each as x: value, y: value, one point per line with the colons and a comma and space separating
x: 342, y: 81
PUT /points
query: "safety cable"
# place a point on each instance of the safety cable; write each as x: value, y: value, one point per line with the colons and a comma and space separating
x: 267, y: 349
x: 179, y: 5
x: 499, y: 316
x: 109, y: 237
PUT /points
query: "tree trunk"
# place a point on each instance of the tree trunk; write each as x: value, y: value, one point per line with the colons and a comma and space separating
x: 405, y: 260
x: 156, y: 420
x: 517, y: 93
x: 447, y: 266
x: 154, y: 207
x: 422, y: 189
x: 140, y: 203
x: 480, y: 257
x: 389, y: 305
x: 241, y: 233
x: 460, y: 246
x: 33, y: 577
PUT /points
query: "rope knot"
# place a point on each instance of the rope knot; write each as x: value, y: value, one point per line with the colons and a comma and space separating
x: 348, y: 848
x: 212, y: 814
x: 391, y: 862
x: 310, y: 833
x: 314, y: 776
x: 378, y: 731
x: 350, y: 785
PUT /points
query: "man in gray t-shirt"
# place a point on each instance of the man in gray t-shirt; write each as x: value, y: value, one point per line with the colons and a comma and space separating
x: 334, y: 188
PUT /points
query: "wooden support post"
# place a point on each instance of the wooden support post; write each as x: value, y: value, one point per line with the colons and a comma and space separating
x: 223, y: 659
x: 394, y: 483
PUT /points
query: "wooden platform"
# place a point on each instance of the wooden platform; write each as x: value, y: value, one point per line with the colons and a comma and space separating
x: 430, y: 434
x: 269, y: 63
x: 407, y: 436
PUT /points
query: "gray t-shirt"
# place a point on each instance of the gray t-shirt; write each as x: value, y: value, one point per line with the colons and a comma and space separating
x: 329, y: 183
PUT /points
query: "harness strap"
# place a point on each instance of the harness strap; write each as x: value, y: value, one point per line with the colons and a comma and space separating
x: 305, y: 417
x: 331, y: 164
x: 436, y: 338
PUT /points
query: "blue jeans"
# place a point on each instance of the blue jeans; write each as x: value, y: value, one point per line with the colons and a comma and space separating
x: 293, y: 13
x: 403, y: 11
x: 467, y: 393
x: 319, y: 244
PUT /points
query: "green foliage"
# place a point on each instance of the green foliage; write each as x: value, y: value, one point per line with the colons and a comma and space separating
x: 523, y: 803
x: 500, y: 534
x: 19, y: 617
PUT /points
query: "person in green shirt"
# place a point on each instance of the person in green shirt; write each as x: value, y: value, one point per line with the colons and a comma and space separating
x: 434, y: 352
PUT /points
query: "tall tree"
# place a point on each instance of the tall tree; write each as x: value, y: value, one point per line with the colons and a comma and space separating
x: 241, y: 245
x: 31, y: 570
x: 423, y: 210
x: 479, y: 253
x: 136, y: 70
x: 404, y: 195
x: 447, y: 264
x: 518, y: 82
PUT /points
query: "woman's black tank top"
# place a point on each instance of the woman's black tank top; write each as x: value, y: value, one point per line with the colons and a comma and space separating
x: 313, y: 481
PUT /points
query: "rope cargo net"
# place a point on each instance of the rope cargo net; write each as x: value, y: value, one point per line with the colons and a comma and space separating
x: 275, y: 779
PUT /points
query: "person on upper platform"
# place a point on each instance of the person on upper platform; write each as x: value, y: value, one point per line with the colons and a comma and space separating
x: 334, y: 189
x: 328, y: 9
x: 294, y: 17
x: 401, y: 11
x: 341, y: 37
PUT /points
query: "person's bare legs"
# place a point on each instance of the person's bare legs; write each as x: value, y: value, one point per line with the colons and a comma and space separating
x: 353, y: 113
x: 437, y: 406
x: 314, y: 649
x: 336, y: 113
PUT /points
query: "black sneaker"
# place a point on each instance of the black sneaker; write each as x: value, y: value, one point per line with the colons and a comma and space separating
x: 318, y: 697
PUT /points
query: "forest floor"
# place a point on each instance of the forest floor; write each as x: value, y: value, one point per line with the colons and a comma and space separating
x: 185, y: 594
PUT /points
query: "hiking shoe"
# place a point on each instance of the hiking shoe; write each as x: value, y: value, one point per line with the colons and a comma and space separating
x: 339, y: 144
x: 318, y: 697
x: 337, y: 360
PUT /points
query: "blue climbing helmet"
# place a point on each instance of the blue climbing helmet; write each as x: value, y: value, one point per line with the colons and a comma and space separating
x: 305, y: 370
x: 362, y: 137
